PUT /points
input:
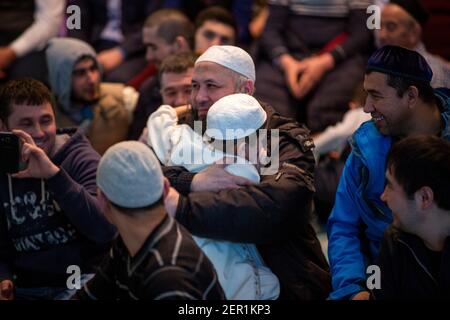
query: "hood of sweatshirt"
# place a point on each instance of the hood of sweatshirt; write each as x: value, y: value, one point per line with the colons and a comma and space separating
x: 62, y: 54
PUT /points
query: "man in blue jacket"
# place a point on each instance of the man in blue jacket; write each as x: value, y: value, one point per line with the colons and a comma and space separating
x: 402, y: 103
x: 50, y: 218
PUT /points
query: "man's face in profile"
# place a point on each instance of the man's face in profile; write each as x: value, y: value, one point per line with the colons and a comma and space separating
x: 389, y: 112
x: 157, y: 47
x: 403, y: 208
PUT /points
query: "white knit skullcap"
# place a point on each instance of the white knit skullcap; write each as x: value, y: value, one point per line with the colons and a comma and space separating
x: 130, y: 175
x: 234, y: 116
x: 231, y: 57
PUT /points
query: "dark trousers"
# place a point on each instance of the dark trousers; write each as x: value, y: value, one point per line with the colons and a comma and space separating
x: 326, y: 103
x: 32, y: 65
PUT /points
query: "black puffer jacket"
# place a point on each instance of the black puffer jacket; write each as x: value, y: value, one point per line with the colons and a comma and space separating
x: 275, y: 214
x: 405, y: 269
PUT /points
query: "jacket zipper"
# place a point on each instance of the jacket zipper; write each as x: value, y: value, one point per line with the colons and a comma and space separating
x: 420, y: 263
x: 305, y: 176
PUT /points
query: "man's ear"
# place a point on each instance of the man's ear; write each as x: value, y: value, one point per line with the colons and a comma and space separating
x: 412, y: 95
x: 415, y: 33
x: 105, y: 205
x: 181, y: 45
x: 248, y: 88
x: 166, y: 187
x: 424, y: 198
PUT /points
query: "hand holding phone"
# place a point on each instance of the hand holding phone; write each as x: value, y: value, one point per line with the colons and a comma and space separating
x: 39, y: 164
x: 10, y: 152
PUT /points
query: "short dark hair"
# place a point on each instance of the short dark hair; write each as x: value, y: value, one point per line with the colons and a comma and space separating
x: 217, y: 14
x: 24, y: 91
x: 401, y: 84
x: 134, y: 211
x: 419, y: 161
x: 171, y: 24
x: 176, y: 63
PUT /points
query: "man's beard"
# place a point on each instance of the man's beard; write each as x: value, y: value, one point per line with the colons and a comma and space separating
x: 196, y: 117
x: 82, y: 101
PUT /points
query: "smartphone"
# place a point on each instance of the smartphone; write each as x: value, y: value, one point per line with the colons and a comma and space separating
x: 10, y: 153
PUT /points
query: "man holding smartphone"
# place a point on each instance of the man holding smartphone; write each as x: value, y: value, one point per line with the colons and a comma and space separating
x: 50, y: 218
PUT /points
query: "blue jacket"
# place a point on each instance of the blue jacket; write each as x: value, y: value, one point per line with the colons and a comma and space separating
x: 359, y: 217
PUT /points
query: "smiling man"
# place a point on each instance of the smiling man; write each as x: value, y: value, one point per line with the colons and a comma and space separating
x: 50, y: 218
x: 415, y: 254
x: 275, y: 214
x: 402, y: 103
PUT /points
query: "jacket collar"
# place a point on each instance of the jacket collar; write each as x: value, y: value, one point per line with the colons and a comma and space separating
x: 419, y: 250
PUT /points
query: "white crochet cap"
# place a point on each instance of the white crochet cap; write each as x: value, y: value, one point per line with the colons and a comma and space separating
x: 231, y: 57
x: 234, y: 117
x: 130, y: 175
